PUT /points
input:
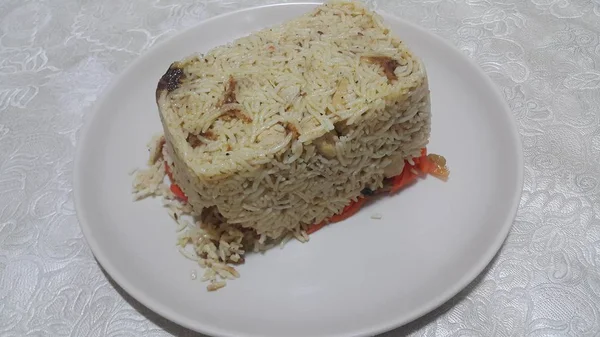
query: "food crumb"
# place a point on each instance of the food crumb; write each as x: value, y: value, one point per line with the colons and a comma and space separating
x: 214, y: 286
x: 376, y: 216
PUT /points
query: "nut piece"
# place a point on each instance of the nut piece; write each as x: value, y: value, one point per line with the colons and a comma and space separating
x: 395, y: 167
x: 338, y: 97
x: 326, y: 144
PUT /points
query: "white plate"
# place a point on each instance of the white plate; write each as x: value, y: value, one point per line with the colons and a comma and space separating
x: 358, y: 277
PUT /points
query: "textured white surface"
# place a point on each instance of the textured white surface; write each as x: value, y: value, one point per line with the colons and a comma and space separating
x: 56, y: 57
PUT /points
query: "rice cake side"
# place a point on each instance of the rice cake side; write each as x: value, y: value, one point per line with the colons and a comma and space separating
x: 282, y: 128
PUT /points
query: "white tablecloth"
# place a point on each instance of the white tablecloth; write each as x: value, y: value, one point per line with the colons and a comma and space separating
x: 57, y: 56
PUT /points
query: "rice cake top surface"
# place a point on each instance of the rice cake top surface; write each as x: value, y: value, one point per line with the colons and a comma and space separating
x: 255, y: 97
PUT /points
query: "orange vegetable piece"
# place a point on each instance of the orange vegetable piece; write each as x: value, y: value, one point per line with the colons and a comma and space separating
x: 426, y: 164
x: 174, y: 187
x: 315, y: 227
x: 403, y: 179
x: 168, y: 171
x: 178, y: 192
x: 347, y: 212
x: 439, y: 169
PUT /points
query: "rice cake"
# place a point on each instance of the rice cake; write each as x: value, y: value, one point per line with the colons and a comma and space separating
x: 282, y: 128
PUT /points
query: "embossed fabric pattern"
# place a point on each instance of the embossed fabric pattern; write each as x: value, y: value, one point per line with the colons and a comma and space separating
x: 57, y: 57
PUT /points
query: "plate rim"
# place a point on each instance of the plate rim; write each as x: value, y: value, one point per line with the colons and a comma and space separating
x: 384, y: 326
